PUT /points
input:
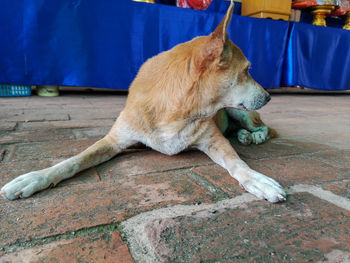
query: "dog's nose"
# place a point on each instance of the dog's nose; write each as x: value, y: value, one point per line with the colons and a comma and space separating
x: 268, y: 98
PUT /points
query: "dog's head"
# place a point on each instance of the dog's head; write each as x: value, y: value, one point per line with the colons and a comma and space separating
x: 225, y: 71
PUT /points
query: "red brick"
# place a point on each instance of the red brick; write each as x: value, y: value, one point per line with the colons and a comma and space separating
x: 91, y: 133
x: 342, y: 189
x: 75, y: 206
x: 304, y: 229
x: 338, y: 158
x: 221, y: 178
x: 135, y: 162
x: 95, y: 113
x: 71, y: 124
x: 106, y: 247
x: 49, y: 150
x: 276, y: 148
x: 7, y: 126
x: 10, y: 170
x: 298, y: 170
x: 37, y: 136
x: 38, y: 115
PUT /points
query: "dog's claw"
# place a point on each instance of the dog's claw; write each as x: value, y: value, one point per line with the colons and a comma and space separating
x: 281, y: 197
x: 263, y: 187
x: 19, y: 193
x: 25, y: 185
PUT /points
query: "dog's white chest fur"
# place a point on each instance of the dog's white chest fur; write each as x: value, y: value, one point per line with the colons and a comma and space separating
x: 171, y: 140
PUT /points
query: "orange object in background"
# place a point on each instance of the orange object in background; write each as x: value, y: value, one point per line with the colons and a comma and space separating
x: 279, y: 10
x: 146, y: 1
x: 300, y: 4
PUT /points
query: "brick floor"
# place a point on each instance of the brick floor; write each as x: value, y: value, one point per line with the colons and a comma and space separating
x: 256, y: 232
x: 103, y: 247
x: 80, y: 219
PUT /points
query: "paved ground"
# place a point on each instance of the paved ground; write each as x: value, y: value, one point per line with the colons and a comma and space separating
x: 145, y: 206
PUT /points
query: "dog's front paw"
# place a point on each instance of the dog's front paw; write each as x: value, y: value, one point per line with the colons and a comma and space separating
x: 263, y: 187
x: 25, y: 185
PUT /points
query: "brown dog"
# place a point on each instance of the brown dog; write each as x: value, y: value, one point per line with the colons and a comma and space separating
x: 171, y: 107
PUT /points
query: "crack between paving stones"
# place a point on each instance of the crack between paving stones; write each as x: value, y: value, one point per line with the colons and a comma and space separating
x: 2, y: 154
x: 217, y: 193
x: 93, y: 230
x: 10, y: 154
x: 172, y: 169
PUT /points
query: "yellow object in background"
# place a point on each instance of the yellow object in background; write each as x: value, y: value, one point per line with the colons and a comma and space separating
x: 320, y: 13
x: 146, y: 1
x: 279, y: 10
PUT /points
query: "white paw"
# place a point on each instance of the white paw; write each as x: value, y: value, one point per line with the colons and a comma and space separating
x: 244, y: 137
x: 25, y: 185
x: 260, y: 135
x: 263, y: 187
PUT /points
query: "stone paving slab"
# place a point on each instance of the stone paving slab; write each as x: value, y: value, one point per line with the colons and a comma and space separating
x: 243, y: 230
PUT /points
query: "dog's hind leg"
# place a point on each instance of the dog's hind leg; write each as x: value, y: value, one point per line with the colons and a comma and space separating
x: 253, y: 129
x: 103, y: 150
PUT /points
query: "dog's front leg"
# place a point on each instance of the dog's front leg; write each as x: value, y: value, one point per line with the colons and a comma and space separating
x: 103, y: 150
x: 218, y: 148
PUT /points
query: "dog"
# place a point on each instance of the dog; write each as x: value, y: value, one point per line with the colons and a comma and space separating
x: 178, y: 101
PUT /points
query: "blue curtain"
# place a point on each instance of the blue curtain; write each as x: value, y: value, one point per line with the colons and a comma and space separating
x: 317, y: 57
x: 103, y: 43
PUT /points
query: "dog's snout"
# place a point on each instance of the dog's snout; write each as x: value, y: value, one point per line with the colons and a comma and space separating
x: 268, y: 98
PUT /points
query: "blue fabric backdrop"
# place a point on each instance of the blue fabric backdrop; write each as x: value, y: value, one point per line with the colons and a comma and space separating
x: 103, y: 43
x: 317, y: 58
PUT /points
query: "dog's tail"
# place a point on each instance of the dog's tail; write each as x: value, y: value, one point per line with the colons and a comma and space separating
x: 272, y: 132
x: 257, y: 122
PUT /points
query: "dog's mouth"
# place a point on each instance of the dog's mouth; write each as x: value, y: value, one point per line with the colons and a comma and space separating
x: 242, y: 107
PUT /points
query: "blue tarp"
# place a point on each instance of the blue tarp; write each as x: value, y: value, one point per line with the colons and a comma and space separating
x: 103, y: 43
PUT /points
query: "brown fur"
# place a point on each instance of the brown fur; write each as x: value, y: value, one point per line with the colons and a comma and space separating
x: 170, y: 107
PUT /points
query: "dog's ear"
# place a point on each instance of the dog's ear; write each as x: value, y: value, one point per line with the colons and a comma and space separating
x: 220, y: 33
x: 217, y: 42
